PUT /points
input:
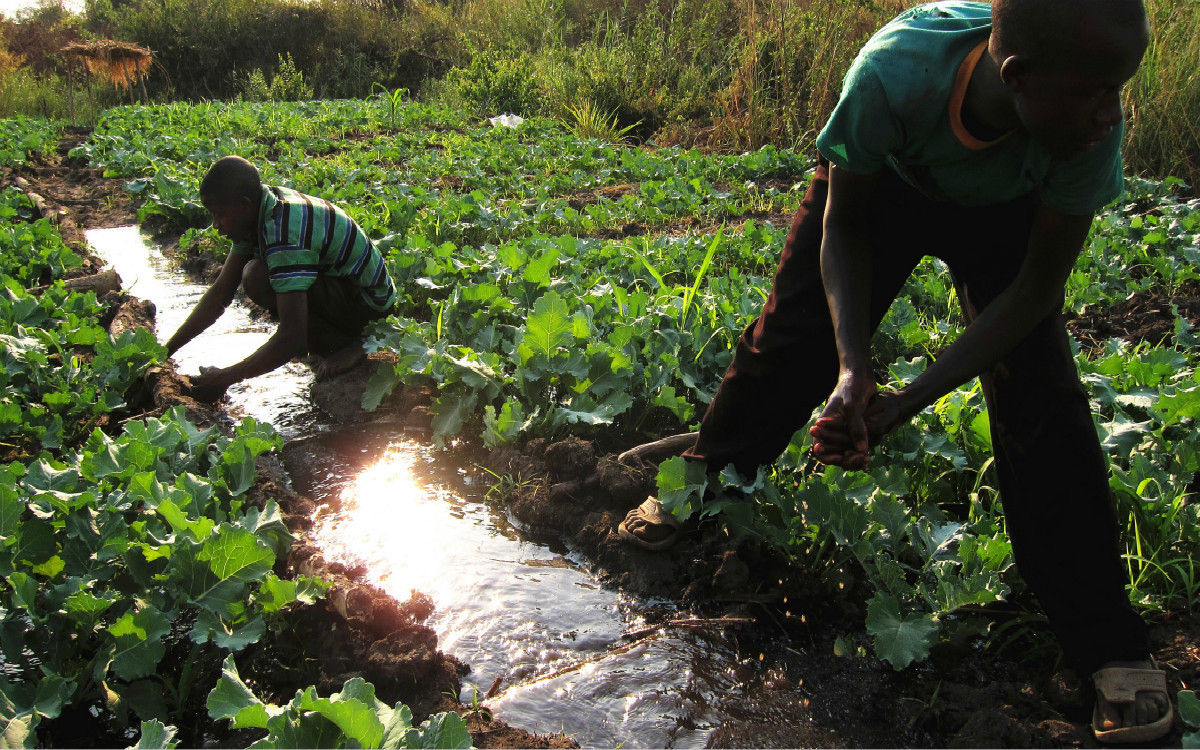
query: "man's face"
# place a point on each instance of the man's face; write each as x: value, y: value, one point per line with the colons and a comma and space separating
x: 233, y: 218
x: 1070, y: 104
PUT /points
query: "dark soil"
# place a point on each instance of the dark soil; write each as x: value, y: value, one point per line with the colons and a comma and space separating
x: 1141, y: 318
x: 963, y: 696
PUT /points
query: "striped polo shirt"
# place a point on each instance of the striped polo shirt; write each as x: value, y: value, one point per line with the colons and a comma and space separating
x: 301, y: 237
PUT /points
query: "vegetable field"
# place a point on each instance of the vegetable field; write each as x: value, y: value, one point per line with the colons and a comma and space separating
x: 549, y: 287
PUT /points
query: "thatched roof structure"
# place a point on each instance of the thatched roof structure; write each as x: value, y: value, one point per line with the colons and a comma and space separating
x: 120, y: 63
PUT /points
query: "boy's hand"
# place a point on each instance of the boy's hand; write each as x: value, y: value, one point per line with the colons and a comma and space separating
x: 208, y: 386
x: 841, y: 433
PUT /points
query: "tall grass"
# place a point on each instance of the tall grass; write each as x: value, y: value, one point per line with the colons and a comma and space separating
x: 791, y: 57
x: 1164, y: 96
x: 734, y: 74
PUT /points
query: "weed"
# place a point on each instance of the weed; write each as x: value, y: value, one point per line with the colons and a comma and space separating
x: 589, y: 122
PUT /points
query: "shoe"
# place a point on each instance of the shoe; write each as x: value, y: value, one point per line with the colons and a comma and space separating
x: 1120, y: 686
x: 646, y: 524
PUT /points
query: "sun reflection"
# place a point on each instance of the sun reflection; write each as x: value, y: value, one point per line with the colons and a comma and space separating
x: 392, y: 524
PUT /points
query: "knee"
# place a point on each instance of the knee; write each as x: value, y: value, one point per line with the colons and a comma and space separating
x: 256, y: 283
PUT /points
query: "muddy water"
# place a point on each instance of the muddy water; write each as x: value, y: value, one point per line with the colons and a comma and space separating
x: 514, y: 608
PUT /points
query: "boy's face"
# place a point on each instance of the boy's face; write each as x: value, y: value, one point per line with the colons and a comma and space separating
x: 1072, y: 103
x: 233, y: 218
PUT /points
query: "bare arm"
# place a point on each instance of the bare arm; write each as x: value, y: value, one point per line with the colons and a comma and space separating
x: 841, y: 431
x: 1054, y: 244
x: 289, y: 340
x: 212, y: 304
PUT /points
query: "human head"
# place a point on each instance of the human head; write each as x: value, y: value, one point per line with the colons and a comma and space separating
x: 1064, y: 62
x: 230, y: 191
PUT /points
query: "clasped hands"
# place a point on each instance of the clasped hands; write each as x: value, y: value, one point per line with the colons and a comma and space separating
x: 855, y: 419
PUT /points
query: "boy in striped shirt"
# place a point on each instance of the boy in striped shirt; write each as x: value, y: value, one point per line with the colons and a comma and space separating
x: 301, y: 258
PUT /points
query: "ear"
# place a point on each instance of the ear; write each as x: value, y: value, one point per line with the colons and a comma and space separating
x: 1014, y: 71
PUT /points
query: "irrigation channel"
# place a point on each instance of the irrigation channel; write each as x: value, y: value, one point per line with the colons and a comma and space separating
x: 512, y: 607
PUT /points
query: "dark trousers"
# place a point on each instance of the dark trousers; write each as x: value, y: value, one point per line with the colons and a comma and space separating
x: 337, y: 313
x: 1053, y: 477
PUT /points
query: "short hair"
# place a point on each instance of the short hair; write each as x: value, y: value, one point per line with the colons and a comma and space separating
x: 1039, y: 30
x: 231, y: 177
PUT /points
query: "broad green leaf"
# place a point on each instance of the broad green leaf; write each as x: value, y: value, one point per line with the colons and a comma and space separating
x: 501, y: 429
x: 681, y: 485
x: 382, y: 382
x: 231, y: 699
x: 899, y: 640
x: 1189, y: 708
x: 195, y: 528
x: 85, y: 607
x: 549, y: 326
x: 354, y: 711
x: 155, y: 736
x: 396, y: 720
x: 210, y: 626
x: 216, y: 573
x: 267, y: 524
x: 444, y: 730
x: 240, y: 468
x: 139, y: 647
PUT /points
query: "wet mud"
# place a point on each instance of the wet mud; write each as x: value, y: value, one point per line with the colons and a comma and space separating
x: 806, y: 654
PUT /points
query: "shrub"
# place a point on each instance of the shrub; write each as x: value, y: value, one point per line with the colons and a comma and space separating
x: 287, y: 85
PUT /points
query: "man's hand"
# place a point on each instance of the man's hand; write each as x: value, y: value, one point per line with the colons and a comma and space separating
x: 845, y: 432
x: 841, y: 433
x: 209, y: 386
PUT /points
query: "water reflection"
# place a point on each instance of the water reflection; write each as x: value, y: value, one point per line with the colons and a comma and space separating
x: 509, y: 606
x: 279, y: 397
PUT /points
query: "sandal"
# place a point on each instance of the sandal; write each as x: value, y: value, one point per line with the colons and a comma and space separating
x: 1120, y: 686
x: 650, y: 514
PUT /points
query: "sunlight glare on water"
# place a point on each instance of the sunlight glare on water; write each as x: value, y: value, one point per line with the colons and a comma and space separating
x: 509, y: 606
x: 392, y: 524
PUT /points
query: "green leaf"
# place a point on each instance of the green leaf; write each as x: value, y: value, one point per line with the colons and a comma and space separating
x: 501, y: 429
x: 1189, y: 708
x: 397, y: 721
x: 444, y: 730
x: 381, y: 384
x: 353, y: 711
x: 211, y: 626
x: 231, y: 699
x: 155, y: 735
x: 681, y: 485
x: 899, y: 640
x: 240, y: 468
x: 549, y: 327
x: 139, y: 647
x: 267, y: 524
x: 215, y: 574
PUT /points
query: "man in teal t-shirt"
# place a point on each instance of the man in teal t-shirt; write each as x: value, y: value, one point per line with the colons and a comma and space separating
x: 986, y: 136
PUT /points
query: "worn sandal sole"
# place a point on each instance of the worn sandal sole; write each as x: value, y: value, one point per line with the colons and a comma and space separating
x: 1120, y: 685
x: 651, y: 511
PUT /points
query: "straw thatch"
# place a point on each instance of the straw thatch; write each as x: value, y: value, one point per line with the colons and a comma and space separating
x: 120, y: 63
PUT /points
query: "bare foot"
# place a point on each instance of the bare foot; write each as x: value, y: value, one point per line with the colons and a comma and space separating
x: 1150, y: 703
x: 343, y: 360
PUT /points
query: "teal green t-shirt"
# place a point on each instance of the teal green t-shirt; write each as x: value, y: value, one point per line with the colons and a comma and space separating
x: 901, y: 107
x: 301, y: 237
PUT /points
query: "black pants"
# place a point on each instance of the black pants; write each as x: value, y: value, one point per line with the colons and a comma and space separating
x: 337, y: 312
x: 1053, y: 477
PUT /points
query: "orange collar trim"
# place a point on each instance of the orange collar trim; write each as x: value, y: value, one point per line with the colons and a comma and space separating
x: 962, y: 79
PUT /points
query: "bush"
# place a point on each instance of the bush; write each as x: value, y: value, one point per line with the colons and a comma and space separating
x: 493, y: 84
x: 287, y: 85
